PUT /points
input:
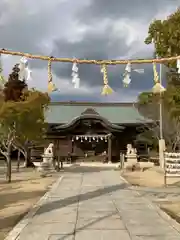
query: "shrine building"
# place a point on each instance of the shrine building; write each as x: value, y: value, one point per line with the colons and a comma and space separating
x: 77, y: 128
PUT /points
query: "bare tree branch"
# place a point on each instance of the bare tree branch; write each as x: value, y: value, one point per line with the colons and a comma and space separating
x: 171, y: 129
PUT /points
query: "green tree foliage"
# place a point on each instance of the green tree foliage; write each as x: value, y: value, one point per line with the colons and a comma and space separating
x: 22, y: 121
x: 10, y: 113
x: 165, y: 34
x: 35, y: 103
x: 148, y: 106
x: 148, y: 103
x: 21, y: 117
x: 13, y: 88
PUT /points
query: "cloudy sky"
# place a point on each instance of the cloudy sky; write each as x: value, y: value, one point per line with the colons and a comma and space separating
x: 88, y: 29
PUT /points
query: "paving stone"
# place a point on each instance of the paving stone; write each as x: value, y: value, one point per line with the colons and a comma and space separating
x: 102, y: 235
x: 138, y: 213
x: 98, y: 199
x: 130, y: 206
x: 42, y: 231
x: 107, y: 223
x: 69, y: 196
x: 55, y: 216
x: 96, y: 205
x: 55, y: 209
x: 61, y: 237
x: 145, y: 221
x: 96, y: 214
x: 156, y: 237
x: 148, y: 230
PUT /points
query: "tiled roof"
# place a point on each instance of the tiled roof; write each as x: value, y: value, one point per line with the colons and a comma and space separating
x: 64, y: 113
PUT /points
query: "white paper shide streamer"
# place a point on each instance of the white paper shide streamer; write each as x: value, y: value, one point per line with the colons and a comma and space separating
x: 25, y: 72
x: 127, y: 74
x: 140, y: 71
x: 75, y: 75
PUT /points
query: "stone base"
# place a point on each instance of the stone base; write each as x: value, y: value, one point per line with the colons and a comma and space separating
x: 45, y: 168
x: 131, y: 159
x: 133, y: 167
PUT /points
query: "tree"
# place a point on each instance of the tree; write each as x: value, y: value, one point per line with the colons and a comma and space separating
x: 35, y: 102
x: 21, y: 122
x: 13, y: 88
x: 10, y: 113
x: 22, y: 117
x: 148, y: 106
x: 166, y: 35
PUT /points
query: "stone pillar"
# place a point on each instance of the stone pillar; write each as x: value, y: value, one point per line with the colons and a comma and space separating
x: 162, y: 148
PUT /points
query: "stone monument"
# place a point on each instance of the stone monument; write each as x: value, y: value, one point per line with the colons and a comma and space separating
x: 131, y: 155
x: 46, y: 165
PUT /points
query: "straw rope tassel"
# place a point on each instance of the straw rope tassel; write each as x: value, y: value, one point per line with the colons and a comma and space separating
x: 156, y: 77
x: 106, y: 89
x: 51, y: 86
x: 158, y: 88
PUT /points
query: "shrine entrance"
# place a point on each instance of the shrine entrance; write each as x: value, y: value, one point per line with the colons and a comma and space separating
x: 87, y: 137
x: 95, y: 147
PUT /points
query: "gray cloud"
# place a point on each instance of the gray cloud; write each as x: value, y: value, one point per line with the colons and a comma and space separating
x: 36, y: 22
x: 133, y: 9
x: 92, y: 29
x: 106, y: 44
x: 99, y: 46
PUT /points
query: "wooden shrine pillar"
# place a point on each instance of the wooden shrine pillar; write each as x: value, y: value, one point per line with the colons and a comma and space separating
x: 56, y: 153
x: 56, y: 147
x: 70, y: 144
x: 109, y: 148
x: 58, y: 156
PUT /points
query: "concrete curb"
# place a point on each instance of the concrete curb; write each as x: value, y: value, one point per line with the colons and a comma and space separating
x: 14, y: 233
x: 161, y: 213
x: 166, y: 217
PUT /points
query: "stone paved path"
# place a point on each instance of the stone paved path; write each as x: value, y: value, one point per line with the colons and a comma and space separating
x: 168, y: 193
x: 96, y: 205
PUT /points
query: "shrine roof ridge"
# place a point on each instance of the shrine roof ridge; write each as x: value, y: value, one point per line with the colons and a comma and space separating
x: 99, y: 104
x: 114, y: 113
